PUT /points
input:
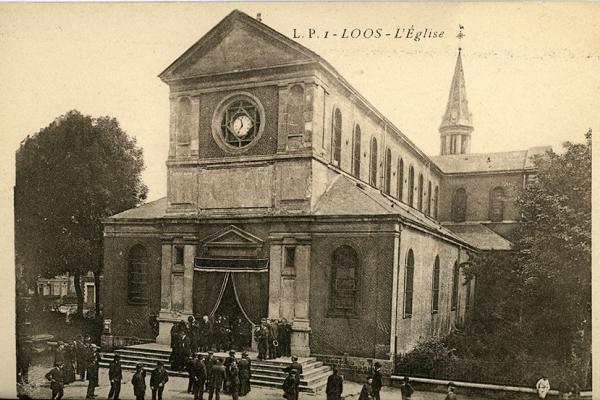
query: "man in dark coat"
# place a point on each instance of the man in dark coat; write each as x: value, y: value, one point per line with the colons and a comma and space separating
x: 57, y: 381
x: 81, y: 355
x: 209, y: 361
x: 285, y: 332
x: 199, y: 376
x: 294, y: 365
x: 291, y: 385
x: 115, y: 376
x: 335, y: 386
x: 377, y: 382
x: 262, y: 337
x: 366, y: 392
x: 228, y: 361
x: 70, y: 360
x: 158, y: 379
x: 272, y: 339
x: 406, y: 389
x: 189, y: 368
x: 234, y: 380
x: 204, y: 334
x: 139, y: 382
x: 245, y: 366
x: 92, y: 374
x: 217, y: 378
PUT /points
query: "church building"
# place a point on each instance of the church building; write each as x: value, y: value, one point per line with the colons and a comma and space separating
x: 291, y: 196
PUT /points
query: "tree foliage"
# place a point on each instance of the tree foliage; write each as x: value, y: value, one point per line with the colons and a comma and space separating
x: 535, y: 302
x: 70, y: 176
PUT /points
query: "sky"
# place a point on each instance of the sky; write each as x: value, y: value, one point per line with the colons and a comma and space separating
x: 531, y: 69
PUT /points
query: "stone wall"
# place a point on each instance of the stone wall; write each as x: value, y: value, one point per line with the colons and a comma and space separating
x: 356, y: 368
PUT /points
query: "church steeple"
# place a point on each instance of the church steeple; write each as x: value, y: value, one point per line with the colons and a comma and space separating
x: 456, y: 127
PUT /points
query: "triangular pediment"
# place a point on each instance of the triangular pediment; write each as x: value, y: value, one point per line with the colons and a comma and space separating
x: 233, y: 236
x: 238, y: 43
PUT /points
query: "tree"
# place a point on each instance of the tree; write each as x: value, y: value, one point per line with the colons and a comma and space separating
x: 70, y: 176
x: 535, y: 301
x: 555, y: 243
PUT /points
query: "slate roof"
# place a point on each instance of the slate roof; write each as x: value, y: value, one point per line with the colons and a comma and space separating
x: 153, y: 209
x: 488, y: 162
x: 348, y: 197
x: 480, y: 236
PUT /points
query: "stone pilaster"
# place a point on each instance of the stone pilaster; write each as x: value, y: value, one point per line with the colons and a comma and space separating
x: 164, y: 327
x: 195, y: 133
x: 300, y: 341
x: 274, y: 280
x: 188, y: 278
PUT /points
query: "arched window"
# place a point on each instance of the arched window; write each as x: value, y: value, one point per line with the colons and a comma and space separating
x: 497, y: 204
x: 137, y: 263
x: 344, y: 281
x: 411, y: 186
x: 420, y: 193
x: 337, y: 136
x: 296, y: 112
x: 387, y: 184
x: 373, y: 164
x: 455, y: 278
x: 436, y: 195
x: 409, y: 275
x: 356, y: 152
x: 428, y: 207
x: 435, y: 286
x: 184, y: 129
x: 459, y: 205
x: 400, y: 177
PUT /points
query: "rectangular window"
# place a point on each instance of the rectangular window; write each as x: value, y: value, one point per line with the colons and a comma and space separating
x: 179, y: 255
x: 290, y: 257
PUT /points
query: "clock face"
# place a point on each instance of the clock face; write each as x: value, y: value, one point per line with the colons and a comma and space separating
x: 241, y: 125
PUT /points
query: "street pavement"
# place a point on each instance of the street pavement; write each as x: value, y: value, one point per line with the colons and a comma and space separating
x: 176, y: 388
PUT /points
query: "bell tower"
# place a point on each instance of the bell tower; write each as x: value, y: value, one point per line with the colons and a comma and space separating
x: 457, y: 126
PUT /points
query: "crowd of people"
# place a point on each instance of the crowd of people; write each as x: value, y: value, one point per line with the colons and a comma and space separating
x: 221, y: 333
x: 79, y: 357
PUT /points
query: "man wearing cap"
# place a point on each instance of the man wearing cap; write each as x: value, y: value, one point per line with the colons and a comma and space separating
x: 377, y: 383
x: 234, y: 380
x: 451, y: 395
x: 158, y: 379
x: 57, y: 381
x: 189, y: 368
x: 406, y: 389
x: 335, y: 386
x: 245, y: 366
x: 366, y: 392
x: 228, y: 361
x: 294, y: 365
x: 139, y: 382
x: 291, y: 384
x: 199, y: 377
x: 209, y: 361
x: 115, y: 375
x: 92, y: 372
x: 217, y: 379
x: 262, y: 337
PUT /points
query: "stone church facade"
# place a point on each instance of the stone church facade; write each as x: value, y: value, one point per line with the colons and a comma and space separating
x: 291, y: 196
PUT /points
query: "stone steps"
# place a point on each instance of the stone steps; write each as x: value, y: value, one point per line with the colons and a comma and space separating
x: 265, y: 373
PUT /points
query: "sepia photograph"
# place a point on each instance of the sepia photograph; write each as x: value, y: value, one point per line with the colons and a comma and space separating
x: 289, y: 200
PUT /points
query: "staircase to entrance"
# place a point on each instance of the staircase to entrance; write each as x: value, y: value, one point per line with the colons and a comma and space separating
x: 266, y: 373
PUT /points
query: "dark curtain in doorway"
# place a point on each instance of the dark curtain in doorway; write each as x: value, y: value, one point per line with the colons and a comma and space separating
x: 252, y: 291
x: 208, y: 288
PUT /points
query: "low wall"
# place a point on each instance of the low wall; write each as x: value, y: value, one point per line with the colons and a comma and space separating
x: 111, y: 342
x: 356, y: 368
x: 477, y: 389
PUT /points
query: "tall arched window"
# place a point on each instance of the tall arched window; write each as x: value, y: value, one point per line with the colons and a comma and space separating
x: 184, y: 129
x: 428, y: 206
x: 373, y: 163
x: 497, y: 204
x: 137, y: 263
x: 387, y: 184
x: 344, y: 282
x: 411, y: 186
x: 459, y: 205
x: 296, y: 112
x: 436, y: 195
x: 400, y: 176
x: 435, y: 286
x: 455, y: 279
x: 356, y: 152
x: 420, y: 193
x: 409, y: 275
x: 337, y: 137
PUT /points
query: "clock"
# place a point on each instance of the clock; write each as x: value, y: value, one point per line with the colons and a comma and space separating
x: 241, y: 125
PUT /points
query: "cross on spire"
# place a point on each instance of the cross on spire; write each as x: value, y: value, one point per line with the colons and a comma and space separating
x: 460, y: 36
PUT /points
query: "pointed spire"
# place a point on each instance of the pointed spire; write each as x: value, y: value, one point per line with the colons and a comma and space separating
x: 457, y: 110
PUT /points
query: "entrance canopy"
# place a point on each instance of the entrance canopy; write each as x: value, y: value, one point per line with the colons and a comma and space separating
x: 230, y: 264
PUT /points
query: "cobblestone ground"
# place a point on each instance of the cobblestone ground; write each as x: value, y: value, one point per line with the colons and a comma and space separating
x: 175, y: 389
